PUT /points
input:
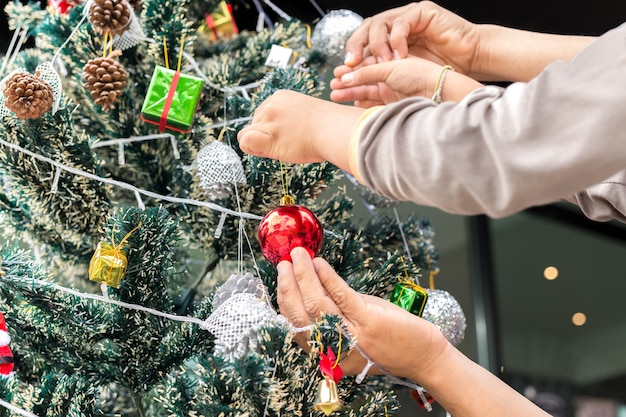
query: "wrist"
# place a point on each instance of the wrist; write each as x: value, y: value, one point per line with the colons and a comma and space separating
x: 332, y: 141
x: 486, y: 55
x: 424, y: 368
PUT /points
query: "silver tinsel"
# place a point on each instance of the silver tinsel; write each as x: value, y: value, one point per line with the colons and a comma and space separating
x: 219, y: 169
x: 332, y: 32
x: 241, y: 309
x: 446, y: 313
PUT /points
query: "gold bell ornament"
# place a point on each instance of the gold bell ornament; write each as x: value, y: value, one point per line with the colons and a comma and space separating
x: 108, y: 263
x: 327, y: 398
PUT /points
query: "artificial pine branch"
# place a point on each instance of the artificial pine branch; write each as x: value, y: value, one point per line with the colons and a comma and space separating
x: 147, y: 365
x: 63, y: 219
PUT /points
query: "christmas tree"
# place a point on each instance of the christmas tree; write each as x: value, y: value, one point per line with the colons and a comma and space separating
x: 131, y: 279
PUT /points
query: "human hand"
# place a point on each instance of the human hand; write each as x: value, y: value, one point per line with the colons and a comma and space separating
x: 404, y: 344
x: 371, y: 83
x: 423, y: 29
x: 297, y: 128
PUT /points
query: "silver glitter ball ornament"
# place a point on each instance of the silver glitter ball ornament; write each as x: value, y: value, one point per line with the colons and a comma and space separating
x: 240, y: 310
x: 219, y: 169
x: 238, y: 284
x: 446, y: 313
x: 332, y: 32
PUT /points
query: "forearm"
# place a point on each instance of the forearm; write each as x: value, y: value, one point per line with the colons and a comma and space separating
x: 498, y: 152
x: 517, y: 55
x: 465, y: 389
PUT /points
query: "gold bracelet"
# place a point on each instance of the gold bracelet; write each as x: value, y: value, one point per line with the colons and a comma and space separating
x: 439, y: 86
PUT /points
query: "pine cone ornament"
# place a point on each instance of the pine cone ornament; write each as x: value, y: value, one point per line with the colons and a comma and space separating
x: 105, y: 79
x: 27, y: 95
x: 110, y: 16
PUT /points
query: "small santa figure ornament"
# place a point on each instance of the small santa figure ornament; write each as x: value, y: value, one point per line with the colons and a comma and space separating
x: 6, y: 356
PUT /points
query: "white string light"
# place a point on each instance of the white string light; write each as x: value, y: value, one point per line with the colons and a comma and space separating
x: 17, y: 410
x: 278, y: 10
x: 55, y: 181
x: 229, y: 122
x: 122, y: 141
x: 262, y: 17
x: 105, y: 299
x: 138, y: 192
x: 9, y: 53
x: 82, y: 20
x: 18, y: 47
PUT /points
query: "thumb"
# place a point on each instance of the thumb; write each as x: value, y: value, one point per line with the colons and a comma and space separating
x: 253, y: 141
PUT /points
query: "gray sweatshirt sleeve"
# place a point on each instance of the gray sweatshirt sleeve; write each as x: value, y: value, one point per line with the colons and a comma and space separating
x: 500, y: 151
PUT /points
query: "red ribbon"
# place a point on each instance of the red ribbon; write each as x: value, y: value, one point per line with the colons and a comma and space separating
x: 168, y: 102
x: 328, y: 366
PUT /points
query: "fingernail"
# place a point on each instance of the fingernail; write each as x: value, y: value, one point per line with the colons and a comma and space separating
x: 396, y: 54
x: 348, y: 58
x: 347, y: 78
x: 296, y: 254
x: 281, y: 268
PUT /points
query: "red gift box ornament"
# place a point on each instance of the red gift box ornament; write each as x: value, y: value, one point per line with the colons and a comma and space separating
x: 287, y: 227
x: 6, y: 356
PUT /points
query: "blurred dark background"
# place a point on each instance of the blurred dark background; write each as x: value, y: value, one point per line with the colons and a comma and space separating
x: 560, y: 16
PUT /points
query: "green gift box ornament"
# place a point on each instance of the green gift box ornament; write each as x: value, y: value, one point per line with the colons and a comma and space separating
x: 172, y: 100
x: 410, y: 297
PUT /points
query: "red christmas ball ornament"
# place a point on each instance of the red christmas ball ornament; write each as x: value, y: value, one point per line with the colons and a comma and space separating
x: 6, y: 356
x: 287, y: 227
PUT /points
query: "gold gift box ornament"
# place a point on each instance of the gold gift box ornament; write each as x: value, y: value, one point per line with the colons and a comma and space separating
x: 109, y: 262
x: 221, y: 23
